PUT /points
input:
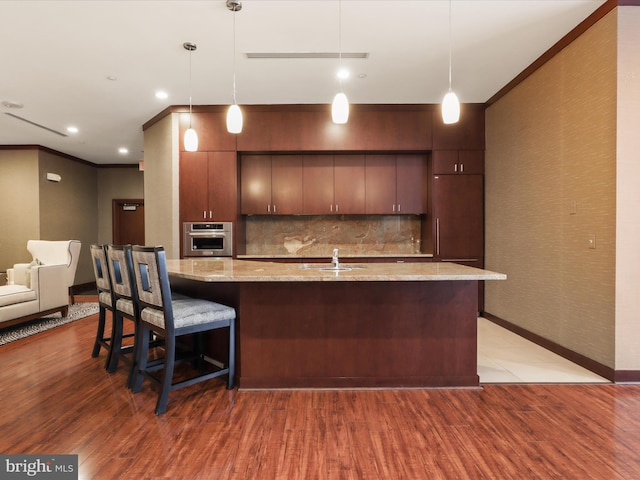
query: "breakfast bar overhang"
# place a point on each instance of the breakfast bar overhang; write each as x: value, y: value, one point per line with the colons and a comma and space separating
x: 385, y: 325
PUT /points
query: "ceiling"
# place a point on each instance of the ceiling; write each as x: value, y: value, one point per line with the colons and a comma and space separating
x: 97, y: 64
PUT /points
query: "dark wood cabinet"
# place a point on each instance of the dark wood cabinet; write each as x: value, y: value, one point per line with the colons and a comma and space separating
x: 208, y: 186
x: 286, y: 184
x: 458, y: 219
x: 396, y: 184
x: 349, y: 184
x: 458, y: 222
x: 317, y: 184
x: 457, y: 162
x: 271, y: 184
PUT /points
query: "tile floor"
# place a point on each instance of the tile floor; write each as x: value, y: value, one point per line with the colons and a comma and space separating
x: 504, y: 357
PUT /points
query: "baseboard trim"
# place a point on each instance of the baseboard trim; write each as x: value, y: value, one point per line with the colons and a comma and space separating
x: 577, y: 358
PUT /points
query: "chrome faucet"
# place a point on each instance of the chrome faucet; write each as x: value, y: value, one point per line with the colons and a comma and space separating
x: 335, y: 263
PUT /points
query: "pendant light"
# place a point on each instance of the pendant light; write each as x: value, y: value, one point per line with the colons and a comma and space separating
x: 190, y: 136
x: 450, y: 102
x: 340, y: 105
x: 234, y: 114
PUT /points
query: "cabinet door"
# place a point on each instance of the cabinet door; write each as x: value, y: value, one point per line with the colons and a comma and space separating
x: 458, y: 217
x: 349, y: 186
x: 411, y: 179
x: 194, y: 204
x: 444, y: 162
x: 317, y: 184
x: 255, y: 184
x: 286, y: 184
x: 223, y: 186
x: 471, y: 162
x: 380, y: 184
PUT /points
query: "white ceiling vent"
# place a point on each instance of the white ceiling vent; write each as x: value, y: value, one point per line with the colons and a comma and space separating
x: 296, y: 55
x: 36, y: 124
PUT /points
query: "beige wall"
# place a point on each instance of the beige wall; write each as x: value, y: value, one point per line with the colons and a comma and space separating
x: 19, y: 205
x: 161, y: 181
x: 115, y: 183
x: 628, y: 192
x: 78, y: 207
x: 551, y: 146
x: 69, y: 209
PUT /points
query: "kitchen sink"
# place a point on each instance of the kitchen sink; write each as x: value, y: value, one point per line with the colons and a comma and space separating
x: 330, y: 268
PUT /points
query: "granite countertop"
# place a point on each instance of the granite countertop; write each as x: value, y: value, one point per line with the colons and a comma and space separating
x: 230, y: 270
x: 342, y: 255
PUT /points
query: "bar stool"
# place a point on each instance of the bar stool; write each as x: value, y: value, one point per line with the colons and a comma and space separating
x: 172, y: 318
x: 105, y: 300
x: 126, y: 306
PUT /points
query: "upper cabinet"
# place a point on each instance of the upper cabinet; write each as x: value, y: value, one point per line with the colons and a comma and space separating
x: 349, y: 184
x: 271, y: 184
x: 208, y: 186
x: 333, y: 184
x: 395, y: 184
x: 457, y: 162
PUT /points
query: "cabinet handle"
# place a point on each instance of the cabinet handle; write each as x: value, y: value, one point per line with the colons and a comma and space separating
x: 331, y: 208
x: 268, y: 208
x: 394, y: 208
x: 211, y: 214
x: 398, y: 208
x: 437, y: 236
x: 455, y: 167
x: 462, y: 168
x: 204, y: 214
x: 274, y: 208
x: 336, y: 208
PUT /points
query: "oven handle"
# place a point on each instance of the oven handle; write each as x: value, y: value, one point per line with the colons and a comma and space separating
x: 208, y: 234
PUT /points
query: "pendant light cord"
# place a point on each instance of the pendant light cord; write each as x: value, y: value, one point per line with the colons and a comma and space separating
x: 340, y: 43
x: 234, y: 57
x: 190, y: 53
x: 450, y: 45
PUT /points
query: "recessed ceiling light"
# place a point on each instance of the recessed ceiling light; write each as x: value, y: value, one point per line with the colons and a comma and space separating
x: 72, y: 129
x: 162, y: 94
x: 343, y: 73
x: 123, y: 151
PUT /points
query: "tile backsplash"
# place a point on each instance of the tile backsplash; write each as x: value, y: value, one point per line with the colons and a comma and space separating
x: 317, y: 236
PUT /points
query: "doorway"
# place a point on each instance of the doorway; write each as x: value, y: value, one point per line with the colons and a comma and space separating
x: 128, y: 221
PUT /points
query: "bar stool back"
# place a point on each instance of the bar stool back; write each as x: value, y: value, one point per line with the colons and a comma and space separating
x: 105, y: 300
x: 126, y: 306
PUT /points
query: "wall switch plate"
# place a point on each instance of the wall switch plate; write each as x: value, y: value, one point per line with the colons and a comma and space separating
x: 592, y: 240
x: 573, y: 207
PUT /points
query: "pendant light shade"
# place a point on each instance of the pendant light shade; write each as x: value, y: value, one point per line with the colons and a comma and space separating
x: 234, y: 119
x: 340, y: 105
x: 191, y: 140
x: 190, y: 136
x: 340, y: 108
x: 234, y: 114
x: 450, y: 108
x: 450, y: 102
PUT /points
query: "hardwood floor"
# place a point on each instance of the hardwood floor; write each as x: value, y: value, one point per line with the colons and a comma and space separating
x: 57, y: 399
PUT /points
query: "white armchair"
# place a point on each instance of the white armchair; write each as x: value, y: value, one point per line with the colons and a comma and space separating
x: 41, y: 287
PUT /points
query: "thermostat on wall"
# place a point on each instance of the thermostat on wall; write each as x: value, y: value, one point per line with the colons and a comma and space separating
x: 54, y: 177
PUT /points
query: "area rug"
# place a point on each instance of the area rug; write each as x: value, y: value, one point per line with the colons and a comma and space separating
x: 76, y: 312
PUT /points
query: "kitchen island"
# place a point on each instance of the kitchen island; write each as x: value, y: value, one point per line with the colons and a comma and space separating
x: 365, y: 325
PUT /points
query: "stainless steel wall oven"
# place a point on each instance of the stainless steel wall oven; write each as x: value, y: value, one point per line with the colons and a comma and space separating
x: 207, y: 239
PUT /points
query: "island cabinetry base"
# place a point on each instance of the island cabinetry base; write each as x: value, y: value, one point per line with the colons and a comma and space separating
x: 352, y: 334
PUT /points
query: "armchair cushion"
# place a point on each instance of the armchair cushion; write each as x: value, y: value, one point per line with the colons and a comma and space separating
x: 10, y: 294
